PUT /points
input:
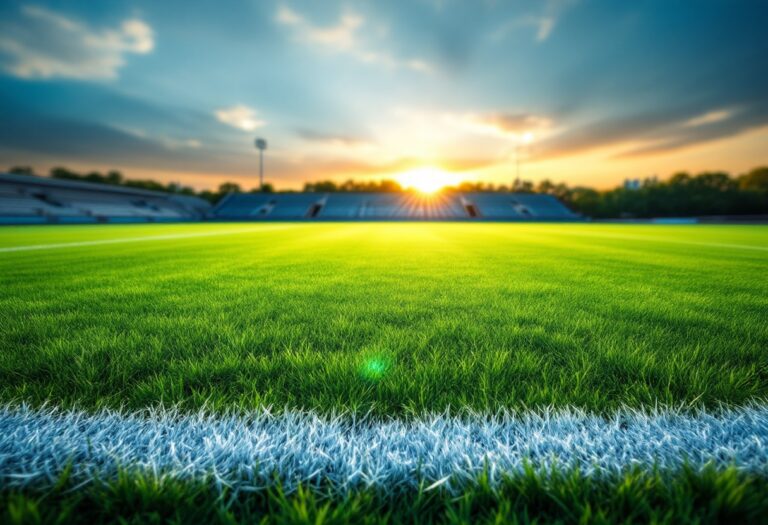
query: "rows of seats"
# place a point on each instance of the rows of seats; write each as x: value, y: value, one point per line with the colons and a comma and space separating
x: 294, y: 205
x: 410, y: 206
x: 30, y: 199
x: 244, y: 206
x: 518, y: 206
x: 391, y: 206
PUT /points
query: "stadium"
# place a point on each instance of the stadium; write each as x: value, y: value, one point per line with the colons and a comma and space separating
x: 27, y: 200
x: 176, y: 358
x: 390, y: 313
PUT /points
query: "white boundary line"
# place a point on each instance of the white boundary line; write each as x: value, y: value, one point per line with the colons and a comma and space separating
x: 245, y: 452
x: 167, y: 237
x: 653, y: 238
x: 565, y: 232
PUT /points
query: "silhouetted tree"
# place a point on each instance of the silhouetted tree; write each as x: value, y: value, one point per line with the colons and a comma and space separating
x: 329, y: 186
x: 268, y: 188
x: 22, y: 170
x: 757, y: 179
x: 229, y: 187
x: 683, y: 194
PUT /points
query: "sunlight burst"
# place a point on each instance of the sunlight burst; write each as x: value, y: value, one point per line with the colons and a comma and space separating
x: 427, y: 179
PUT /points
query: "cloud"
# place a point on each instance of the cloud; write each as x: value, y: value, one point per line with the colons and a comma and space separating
x: 31, y: 137
x: 709, y: 118
x: 340, y: 37
x: 240, y: 117
x: 542, y: 22
x: 44, y: 44
x: 314, y: 135
x: 344, y: 37
x: 708, y: 127
x: 553, y: 11
x: 356, y: 168
x: 500, y: 125
x: 515, y: 123
x: 652, y: 133
x: 286, y: 15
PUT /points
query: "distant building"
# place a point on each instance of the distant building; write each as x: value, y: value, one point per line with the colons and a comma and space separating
x: 632, y: 184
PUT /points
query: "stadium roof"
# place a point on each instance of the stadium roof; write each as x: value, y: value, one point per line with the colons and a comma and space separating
x: 77, y: 185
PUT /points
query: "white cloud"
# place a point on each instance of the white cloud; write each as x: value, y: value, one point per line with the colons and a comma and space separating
x: 545, y: 26
x: 543, y: 22
x: 344, y: 37
x: 240, y: 117
x: 45, y: 44
x: 287, y: 16
x: 501, y: 125
x: 708, y: 118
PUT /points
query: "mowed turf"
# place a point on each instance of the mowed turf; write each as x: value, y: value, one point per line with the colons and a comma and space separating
x: 394, y: 318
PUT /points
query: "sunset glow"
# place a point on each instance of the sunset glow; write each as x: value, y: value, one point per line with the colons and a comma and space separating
x: 428, y: 179
x: 394, y: 90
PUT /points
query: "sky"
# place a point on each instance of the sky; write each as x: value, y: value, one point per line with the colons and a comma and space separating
x: 587, y: 92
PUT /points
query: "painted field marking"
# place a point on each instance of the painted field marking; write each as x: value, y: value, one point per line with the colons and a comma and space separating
x: 168, y: 237
x: 246, y: 452
x: 652, y: 238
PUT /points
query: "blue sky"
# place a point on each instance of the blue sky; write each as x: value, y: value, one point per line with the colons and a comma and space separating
x: 583, y: 91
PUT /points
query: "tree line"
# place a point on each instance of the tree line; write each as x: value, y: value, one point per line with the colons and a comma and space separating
x: 116, y: 178
x: 683, y: 194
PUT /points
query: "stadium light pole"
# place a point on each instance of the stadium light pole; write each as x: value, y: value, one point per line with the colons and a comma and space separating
x: 261, y: 145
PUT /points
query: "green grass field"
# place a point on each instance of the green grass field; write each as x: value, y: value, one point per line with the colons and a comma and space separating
x: 395, y: 320
x: 400, y: 319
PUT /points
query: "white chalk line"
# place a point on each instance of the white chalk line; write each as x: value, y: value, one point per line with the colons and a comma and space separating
x: 653, y: 238
x: 168, y: 237
x: 568, y: 232
x: 250, y: 452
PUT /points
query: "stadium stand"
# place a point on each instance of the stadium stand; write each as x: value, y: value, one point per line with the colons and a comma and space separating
x: 27, y: 199
x: 392, y: 206
x: 520, y: 206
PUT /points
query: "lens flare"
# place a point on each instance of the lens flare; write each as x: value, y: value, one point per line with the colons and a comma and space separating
x: 374, y: 368
x: 428, y: 179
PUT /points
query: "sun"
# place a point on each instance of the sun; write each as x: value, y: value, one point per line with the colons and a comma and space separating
x: 427, y: 179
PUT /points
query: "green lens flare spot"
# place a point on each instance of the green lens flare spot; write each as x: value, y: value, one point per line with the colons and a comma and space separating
x: 374, y: 368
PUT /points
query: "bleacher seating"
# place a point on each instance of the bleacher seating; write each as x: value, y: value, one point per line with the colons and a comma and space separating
x: 28, y: 199
x: 520, y: 206
x: 294, y: 206
x: 403, y: 206
x: 391, y: 206
x: 244, y: 206
x: 343, y: 206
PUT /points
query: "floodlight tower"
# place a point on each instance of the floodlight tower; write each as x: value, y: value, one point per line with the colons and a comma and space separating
x: 261, y: 145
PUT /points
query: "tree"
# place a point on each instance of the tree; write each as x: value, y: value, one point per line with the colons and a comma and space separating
x: 522, y: 186
x: 350, y: 185
x: 545, y: 186
x: 22, y: 170
x: 683, y: 194
x: 64, y: 173
x: 321, y: 186
x: 229, y: 187
x: 114, y: 177
x: 267, y: 188
x: 757, y: 179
